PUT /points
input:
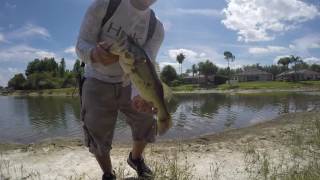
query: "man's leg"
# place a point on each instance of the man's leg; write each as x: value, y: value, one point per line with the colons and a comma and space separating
x: 143, y: 128
x: 137, y: 149
x: 105, y: 163
x: 99, y: 114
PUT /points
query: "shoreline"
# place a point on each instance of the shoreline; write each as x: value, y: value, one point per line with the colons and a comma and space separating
x: 204, y: 91
x: 221, y: 136
x: 226, y: 155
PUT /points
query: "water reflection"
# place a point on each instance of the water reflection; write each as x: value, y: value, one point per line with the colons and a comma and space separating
x: 31, y: 119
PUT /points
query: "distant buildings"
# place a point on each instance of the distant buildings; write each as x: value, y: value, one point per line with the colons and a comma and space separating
x: 201, y: 79
x: 301, y: 75
x: 253, y: 75
x: 197, y: 79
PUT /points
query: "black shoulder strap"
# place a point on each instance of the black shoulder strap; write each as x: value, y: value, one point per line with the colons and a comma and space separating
x: 152, y: 25
x: 112, y: 7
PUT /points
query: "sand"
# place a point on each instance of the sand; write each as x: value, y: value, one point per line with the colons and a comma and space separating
x: 218, y: 156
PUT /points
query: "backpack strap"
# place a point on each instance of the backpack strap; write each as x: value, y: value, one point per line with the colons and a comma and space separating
x: 152, y: 25
x: 112, y: 7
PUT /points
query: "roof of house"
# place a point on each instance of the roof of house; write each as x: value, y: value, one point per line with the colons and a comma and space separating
x: 253, y: 72
x: 303, y: 71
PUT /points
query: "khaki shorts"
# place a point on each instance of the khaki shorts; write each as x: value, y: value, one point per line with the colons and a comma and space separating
x: 101, y: 103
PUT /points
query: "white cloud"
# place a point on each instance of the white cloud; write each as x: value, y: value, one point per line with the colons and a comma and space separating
x: 187, y: 52
x: 23, y: 53
x: 29, y: 30
x: 199, y: 12
x: 6, y: 74
x: 260, y: 20
x: 311, y: 41
x: 191, y: 55
x: 312, y: 60
x: 13, y: 70
x: 70, y: 50
x: 267, y: 50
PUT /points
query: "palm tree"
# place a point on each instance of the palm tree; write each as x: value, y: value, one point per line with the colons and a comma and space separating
x: 230, y: 58
x: 284, y: 61
x: 194, y: 70
x: 295, y: 60
x: 180, y: 58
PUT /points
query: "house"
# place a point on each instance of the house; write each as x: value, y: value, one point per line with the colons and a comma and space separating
x: 301, y: 75
x: 198, y: 79
x: 253, y: 75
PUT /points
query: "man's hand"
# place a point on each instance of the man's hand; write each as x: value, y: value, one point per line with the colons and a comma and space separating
x: 101, y: 55
x: 141, y: 105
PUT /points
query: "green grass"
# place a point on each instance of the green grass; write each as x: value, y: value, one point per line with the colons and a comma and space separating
x: 47, y: 92
x: 271, y: 85
x: 186, y: 87
x: 301, y: 163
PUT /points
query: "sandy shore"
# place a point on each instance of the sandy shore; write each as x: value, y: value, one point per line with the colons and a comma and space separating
x: 235, y: 154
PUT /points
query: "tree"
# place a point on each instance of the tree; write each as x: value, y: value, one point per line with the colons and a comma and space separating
x: 207, y: 68
x: 228, y: 56
x: 180, y: 58
x: 302, y: 65
x: 168, y: 74
x: 17, y: 82
x: 295, y: 60
x: 315, y: 67
x: 43, y: 65
x: 284, y: 61
x: 194, y: 70
x: 77, y: 66
x: 62, y: 67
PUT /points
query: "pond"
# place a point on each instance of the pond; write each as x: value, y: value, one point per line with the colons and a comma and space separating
x: 32, y: 119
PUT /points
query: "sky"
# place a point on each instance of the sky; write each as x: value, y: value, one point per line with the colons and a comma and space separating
x: 255, y: 31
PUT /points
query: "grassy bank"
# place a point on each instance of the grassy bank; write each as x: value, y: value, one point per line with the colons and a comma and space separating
x: 44, y: 92
x: 286, y: 148
x: 272, y: 85
x: 194, y: 88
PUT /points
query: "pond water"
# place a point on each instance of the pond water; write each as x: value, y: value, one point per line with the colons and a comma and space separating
x: 32, y: 119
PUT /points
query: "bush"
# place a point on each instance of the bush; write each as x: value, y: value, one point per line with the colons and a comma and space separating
x: 17, y: 82
x: 168, y: 74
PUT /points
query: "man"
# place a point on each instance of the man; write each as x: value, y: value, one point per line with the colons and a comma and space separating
x: 105, y: 90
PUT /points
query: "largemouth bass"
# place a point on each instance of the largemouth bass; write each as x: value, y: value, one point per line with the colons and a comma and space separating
x: 143, y: 76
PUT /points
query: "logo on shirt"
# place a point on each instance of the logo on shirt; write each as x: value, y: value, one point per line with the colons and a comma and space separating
x: 117, y: 30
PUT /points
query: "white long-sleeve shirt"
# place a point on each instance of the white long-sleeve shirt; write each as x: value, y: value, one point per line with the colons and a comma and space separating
x: 126, y: 18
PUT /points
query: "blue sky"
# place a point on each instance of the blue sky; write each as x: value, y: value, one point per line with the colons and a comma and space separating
x: 254, y: 31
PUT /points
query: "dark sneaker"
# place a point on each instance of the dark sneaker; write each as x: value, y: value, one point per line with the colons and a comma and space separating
x: 111, y: 176
x: 141, y: 168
